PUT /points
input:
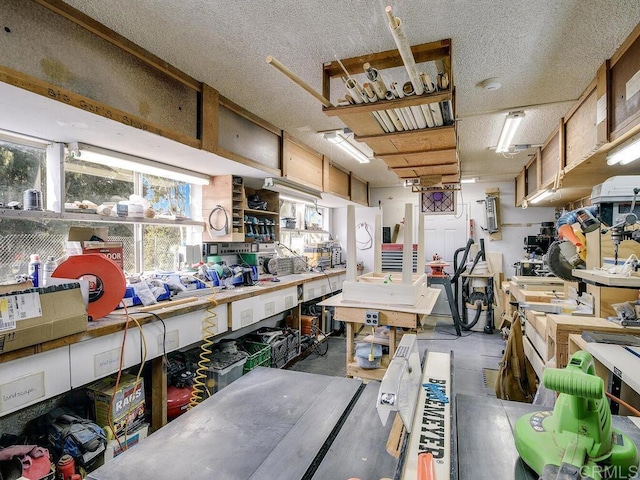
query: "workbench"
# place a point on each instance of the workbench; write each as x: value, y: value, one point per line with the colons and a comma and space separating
x: 618, y: 367
x: 269, y: 424
x: 486, y: 446
x: 353, y: 314
x: 79, y: 359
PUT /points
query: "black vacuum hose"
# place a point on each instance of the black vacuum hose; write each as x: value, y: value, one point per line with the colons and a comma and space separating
x: 468, y: 326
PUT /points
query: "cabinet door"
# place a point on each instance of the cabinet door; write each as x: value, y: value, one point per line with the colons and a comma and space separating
x: 99, y: 357
x: 246, y: 312
x: 29, y: 380
x: 183, y: 330
x: 279, y: 301
x: 315, y: 289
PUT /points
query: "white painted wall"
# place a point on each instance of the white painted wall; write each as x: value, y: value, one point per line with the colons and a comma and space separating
x: 516, y: 223
x: 446, y: 233
x: 364, y: 215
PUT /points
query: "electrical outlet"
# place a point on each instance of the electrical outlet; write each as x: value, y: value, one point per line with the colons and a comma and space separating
x: 371, y: 317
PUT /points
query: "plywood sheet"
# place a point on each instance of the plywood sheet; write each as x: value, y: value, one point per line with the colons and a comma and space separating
x: 435, y: 157
x: 359, y: 190
x: 581, y: 131
x: 68, y: 56
x: 301, y: 164
x: 415, y: 141
x: 550, y: 161
x: 338, y: 182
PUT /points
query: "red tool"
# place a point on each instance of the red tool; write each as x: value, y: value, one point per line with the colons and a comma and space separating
x: 67, y: 468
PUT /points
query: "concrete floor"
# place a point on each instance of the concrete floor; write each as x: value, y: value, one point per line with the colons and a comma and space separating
x: 472, y: 352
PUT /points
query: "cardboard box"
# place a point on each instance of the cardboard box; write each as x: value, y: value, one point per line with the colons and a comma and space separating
x: 128, y: 406
x: 29, y: 316
x: 116, y: 447
x: 94, y: 240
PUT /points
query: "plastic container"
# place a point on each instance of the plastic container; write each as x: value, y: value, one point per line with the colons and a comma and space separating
x: 363, y: 349
x: 259, y: 355
x: 35, y: 270
x: 224, y: 369
x: 49, y: 267
x: 279, y: 352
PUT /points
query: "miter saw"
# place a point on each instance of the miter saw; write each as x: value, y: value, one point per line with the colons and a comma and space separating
x: 614, y: 202
x: 576, y: 440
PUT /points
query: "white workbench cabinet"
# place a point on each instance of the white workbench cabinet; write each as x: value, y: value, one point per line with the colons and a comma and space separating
x: 98, y: 357
x: 246, y: 312
x: 279, y: 301
x: 182, y: 330
x: 29, y: 380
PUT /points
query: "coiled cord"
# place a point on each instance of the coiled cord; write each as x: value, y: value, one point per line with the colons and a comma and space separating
x: 208, y: 332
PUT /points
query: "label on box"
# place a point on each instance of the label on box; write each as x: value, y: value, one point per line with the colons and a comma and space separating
x: 111, y: 250
x: 18, y: 307
x: 107, y: 362
x: 21, y: 391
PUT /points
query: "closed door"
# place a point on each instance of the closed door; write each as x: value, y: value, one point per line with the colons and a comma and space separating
x: 444, y: 234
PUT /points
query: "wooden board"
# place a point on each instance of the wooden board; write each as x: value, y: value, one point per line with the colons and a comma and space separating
x: 433, y: 157
x: 359, y: 190
x: 301, y: 164
x: 625, y: 64
x: 414, y: 141
x: 580, y: 128
x: 550, y: 159
x: 608, y: 279
x: 559, y: 327
x: 336, y: 181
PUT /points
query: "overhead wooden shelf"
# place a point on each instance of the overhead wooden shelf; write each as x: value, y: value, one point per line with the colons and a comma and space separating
x: 410, y: 153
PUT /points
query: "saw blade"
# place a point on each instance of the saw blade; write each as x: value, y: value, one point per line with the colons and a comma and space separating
x: 559, y: 264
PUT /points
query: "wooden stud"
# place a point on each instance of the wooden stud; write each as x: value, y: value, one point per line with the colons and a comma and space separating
x: 158, y: 393
x: 210, y: 126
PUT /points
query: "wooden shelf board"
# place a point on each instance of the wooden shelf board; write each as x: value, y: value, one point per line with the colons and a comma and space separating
x: 260, y: 212
x: 424, y: 52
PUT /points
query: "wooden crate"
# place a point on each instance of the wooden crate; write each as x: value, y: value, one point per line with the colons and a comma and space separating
x: 559, y: 327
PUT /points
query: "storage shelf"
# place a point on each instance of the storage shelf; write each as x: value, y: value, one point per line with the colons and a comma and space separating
x: 92, y: 217
x: 302, y: 230
x: 260, y: 212
x: 428, y: 153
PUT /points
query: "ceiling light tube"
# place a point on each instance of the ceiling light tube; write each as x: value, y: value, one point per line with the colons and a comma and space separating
x: 469, y: 180
x: 287, y: 198
x: 346, y: 146
x: 538, y: 197
x: 511, y: 123
x: 626, y: 153
x: 109, y: 158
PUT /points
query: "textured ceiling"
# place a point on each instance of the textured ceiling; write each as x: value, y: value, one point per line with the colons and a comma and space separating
x: 544, y: 52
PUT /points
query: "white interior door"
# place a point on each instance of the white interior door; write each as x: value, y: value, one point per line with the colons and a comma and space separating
x: 444, y: 234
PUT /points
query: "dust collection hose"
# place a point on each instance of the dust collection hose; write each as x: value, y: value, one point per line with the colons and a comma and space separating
x: 208, y: 332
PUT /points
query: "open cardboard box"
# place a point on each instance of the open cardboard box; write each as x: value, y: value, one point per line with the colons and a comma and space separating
x: 51, y: 312
x: 81, y: 236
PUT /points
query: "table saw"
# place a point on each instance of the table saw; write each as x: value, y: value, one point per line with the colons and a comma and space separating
x: 285, y: 425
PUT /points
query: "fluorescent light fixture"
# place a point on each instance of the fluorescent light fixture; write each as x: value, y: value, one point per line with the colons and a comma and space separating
x: 341, y: 141
x: 509, y: 128
x: 538, y: 197
x: 109, y: 158
x: 292, y: 189
x: 626, y: 153
x: 298, y: 200
x: 469, y: 180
